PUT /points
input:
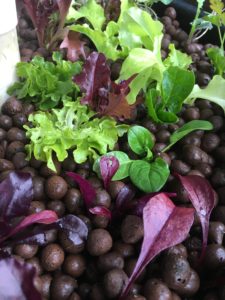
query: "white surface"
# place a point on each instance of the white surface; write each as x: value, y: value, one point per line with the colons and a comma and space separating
x: 8, y: 16
x: 9, y: 57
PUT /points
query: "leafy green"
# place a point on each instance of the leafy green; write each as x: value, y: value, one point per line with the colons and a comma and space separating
x: 134, y: 28
x: 124, y: 162
x: 186, y: 129
x: 217, y: 18
x: 72, y: 127
x: 46, y: 83
x: 140, y: 139
x: 148, y: 67
x: 176, y: 58
x: 196, y: 19
x: 149, y: 177
x: 93, y: 12
x: 176, y: 85
x: 138, y: 29
x: 214, y: 92
x: 218, y: 59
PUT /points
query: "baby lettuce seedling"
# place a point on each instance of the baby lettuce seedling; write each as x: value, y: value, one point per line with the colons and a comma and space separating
x: 148, y: 173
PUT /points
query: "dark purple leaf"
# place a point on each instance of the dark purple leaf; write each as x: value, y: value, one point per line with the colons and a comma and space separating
x: 95, y: 75
x: 202, y: 197
x: 165, y: 225
x: 140, y: 204
x: 74, y: 46
x: 101, y: 211
x: 17, y: 280
x: 73, y: 226
x: 63, y: 6
x: 87, y: 190
x: 75, y: 229
x: 48, y: 17
x: 124, y: 203
x: 43, y: 217
x: 16, y: 195
x: 40, y: 13
x: 108, y: 168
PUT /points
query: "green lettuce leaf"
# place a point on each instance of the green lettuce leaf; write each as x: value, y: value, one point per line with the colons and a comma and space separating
x: 138, y: 29
x: 218, y: 59
x: 91, y: 11
x: 71, y: 128
x: 177, y: 58
x: 214, y: 92
x: 46, y: 83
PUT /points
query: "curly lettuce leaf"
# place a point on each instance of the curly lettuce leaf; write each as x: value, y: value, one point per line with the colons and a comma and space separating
x: 91, y: 11
x: 177, y: 58
x: 71, y: 128
x: 217, y: 57
x: 45, y: 83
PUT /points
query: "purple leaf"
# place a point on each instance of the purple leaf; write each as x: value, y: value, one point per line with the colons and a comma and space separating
x: 202, y: 198
x: 16, y: 195
x: 48, y: 17
x: 95, y: 75
x: 140, y: 204
x: 108, y: 168
x: 17, y: 280
x: 87, y: 190
x: 75, y: 229
x: 63, y: 6
x: 101, y: 211
x: 165, y: 225
x: 43, y: 217
x: 74, y: 46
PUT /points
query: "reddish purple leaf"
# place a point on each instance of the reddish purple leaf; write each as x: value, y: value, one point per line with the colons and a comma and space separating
x: 74, y: 46
x: 202, y: 197
x: 48, y: 28
x: 87, y: 190
x: 140, y: 204
x: 17, y: 280
x: 75, y: 229
x: 72, y: 226
x: 101, y: 211
x: 43, y: 217
x: 165, y: 225
x: 108, y: 168
x: 16, y: 195
x: 95, y: 75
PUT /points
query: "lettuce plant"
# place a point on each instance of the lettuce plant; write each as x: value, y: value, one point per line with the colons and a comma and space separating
x: 48, y: 17
x: 72, y: 127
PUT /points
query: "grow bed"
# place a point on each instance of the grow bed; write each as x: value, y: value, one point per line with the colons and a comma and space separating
x: 112, y: 156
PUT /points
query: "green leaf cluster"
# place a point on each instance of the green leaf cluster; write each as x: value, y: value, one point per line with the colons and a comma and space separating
x: 46, y: 83
x: 72, y: 127
x: 148, y: 173
x: 176, y: 85
x: 134, y: 28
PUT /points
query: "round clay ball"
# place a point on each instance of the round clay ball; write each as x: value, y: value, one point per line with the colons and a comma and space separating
x: 62, y: 287
x: 74, y: 265
x: 52, y: 257
x: 132, y: 229
x: 25, y: 250
x: 156, y: 289
x: 99, y: 242
x: 56, y: 187
x: 114, y: 282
